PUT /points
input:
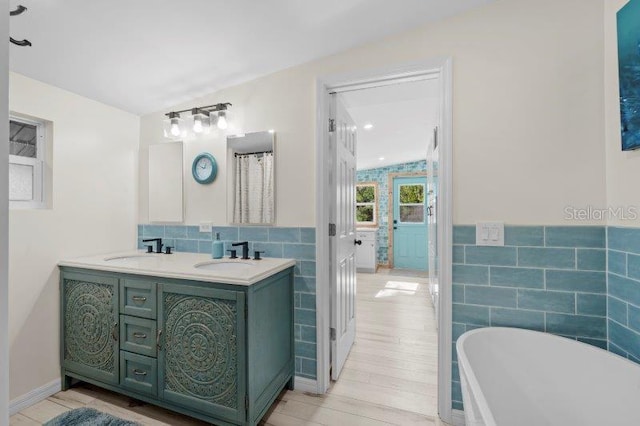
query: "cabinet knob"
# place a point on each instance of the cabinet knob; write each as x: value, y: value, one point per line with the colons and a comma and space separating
x: 357, y: 242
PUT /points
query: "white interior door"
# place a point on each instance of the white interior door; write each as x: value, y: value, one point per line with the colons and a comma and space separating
x: 432, y: 195
x: 343, y: 246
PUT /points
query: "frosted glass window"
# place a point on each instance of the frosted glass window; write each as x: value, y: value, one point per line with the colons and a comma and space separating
x: 21, y: 182
x: 26, y: 163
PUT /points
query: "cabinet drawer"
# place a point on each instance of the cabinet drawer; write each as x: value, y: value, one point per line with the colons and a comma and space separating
x: 138, y: 335
x: 139, y: 373
x: 138, y: 298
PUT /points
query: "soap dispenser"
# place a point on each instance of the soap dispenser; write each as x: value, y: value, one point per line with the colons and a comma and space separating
x: 217, y: 248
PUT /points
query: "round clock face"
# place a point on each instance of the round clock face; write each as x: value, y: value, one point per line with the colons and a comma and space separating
x: 204, y: 168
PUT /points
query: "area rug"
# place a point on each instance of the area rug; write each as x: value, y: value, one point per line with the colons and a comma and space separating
x: 88, y: 417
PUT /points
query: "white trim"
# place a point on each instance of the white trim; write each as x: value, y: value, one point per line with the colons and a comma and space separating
x: 34, y: 396
x: 445, y: 239
x: 443, y: 68
x: 323, y: 291
x: 302, y: 384
x: 457, y: 418
x: 4, y: 218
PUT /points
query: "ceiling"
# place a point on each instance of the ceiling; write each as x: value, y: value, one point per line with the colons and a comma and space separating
x: 146, y: 55
x: 403, y: 117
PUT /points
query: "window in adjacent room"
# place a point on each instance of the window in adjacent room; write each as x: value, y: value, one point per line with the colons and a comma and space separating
x: 26, y: 163
x: 367, y: 204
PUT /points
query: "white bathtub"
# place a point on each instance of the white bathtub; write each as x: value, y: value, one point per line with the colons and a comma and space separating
x: 514, y: 377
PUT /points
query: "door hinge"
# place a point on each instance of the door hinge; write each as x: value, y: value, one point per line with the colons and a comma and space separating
x: 332, y: 125
x: 332, y: 229
x: 332, y: 333
x: 435, y: 137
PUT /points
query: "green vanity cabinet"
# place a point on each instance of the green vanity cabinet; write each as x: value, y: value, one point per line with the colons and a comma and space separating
x: 218, y: 352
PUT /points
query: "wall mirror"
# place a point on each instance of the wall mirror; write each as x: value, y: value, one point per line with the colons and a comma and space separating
x: 165, y: 182
x: 251, y: 178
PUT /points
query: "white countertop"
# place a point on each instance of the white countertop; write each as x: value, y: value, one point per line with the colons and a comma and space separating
x: 181, y: 266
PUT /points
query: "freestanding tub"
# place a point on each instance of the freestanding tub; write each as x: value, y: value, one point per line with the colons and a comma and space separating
x: 514, y: 377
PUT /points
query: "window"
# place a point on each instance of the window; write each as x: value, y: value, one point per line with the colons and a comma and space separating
x: 26, y: 163
x: 411, y: 203
x: 367, y: 204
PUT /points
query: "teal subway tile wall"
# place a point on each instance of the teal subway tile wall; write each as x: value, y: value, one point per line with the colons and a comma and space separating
x: 295, y: 243
x: 545, y: 278
x: 380, y: 175
x: 623, y: 301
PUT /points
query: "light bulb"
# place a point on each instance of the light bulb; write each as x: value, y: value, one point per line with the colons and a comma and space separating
x: 368, y: 126
x: 222, y: 120
x: 175, y: 127
x: 197, y: 124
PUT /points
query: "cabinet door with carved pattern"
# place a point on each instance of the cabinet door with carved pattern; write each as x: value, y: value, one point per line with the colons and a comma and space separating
x: 202, y: 349
x: 90, y: 326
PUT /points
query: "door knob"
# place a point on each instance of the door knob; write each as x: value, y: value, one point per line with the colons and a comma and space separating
x: 357, y: 242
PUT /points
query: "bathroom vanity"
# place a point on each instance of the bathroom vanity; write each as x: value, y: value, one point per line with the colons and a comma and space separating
x: 210, y: 339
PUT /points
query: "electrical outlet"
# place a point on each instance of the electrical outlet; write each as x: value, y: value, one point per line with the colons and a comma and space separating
x: 205, y: 227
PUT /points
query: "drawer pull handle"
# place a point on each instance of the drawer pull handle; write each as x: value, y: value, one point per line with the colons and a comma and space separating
x: 139, y: 299
x: 139, y: 373
x: 158, y: 341
x: 114, y: 332
x: 139, y: 335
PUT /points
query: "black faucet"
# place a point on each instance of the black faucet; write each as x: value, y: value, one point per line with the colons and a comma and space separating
x: 245, y: 249
x: 158, y: 242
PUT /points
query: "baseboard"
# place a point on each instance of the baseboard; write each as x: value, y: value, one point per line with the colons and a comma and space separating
x: 457, y: 417
x: 303, y: 384
x: 34, y: 396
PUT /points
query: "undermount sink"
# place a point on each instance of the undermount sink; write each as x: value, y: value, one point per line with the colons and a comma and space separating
x: 224, y: 266
x: 130, y: 257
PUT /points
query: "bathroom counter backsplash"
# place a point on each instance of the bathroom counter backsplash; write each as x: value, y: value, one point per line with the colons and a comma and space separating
x: 297, y: 243
x: 183, y: 266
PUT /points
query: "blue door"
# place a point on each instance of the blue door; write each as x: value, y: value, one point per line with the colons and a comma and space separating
x: 410, y: 240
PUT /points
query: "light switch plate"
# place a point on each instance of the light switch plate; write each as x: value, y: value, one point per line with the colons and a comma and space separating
x: 490, y: 234
x: 205, y: 227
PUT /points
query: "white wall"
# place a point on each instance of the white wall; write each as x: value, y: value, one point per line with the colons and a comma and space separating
x: 4, y: 216
x: 94, y: 211
x: 623, y: 168
x: 528, y: 115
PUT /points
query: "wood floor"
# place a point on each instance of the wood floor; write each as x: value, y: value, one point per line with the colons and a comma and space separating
x: 390, y: 376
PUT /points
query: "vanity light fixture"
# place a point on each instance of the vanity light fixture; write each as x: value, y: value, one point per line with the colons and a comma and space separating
x: 173, y: 125
x: 201, y: 120
x: 222, y: 120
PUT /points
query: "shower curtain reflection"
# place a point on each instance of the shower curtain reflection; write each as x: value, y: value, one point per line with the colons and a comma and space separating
x: 254, y: 199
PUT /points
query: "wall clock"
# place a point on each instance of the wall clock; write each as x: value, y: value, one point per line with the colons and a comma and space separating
x: 204, y: 168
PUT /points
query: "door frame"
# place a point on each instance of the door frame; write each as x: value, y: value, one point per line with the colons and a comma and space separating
x: 391, y: 177
x: 442, y: 69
